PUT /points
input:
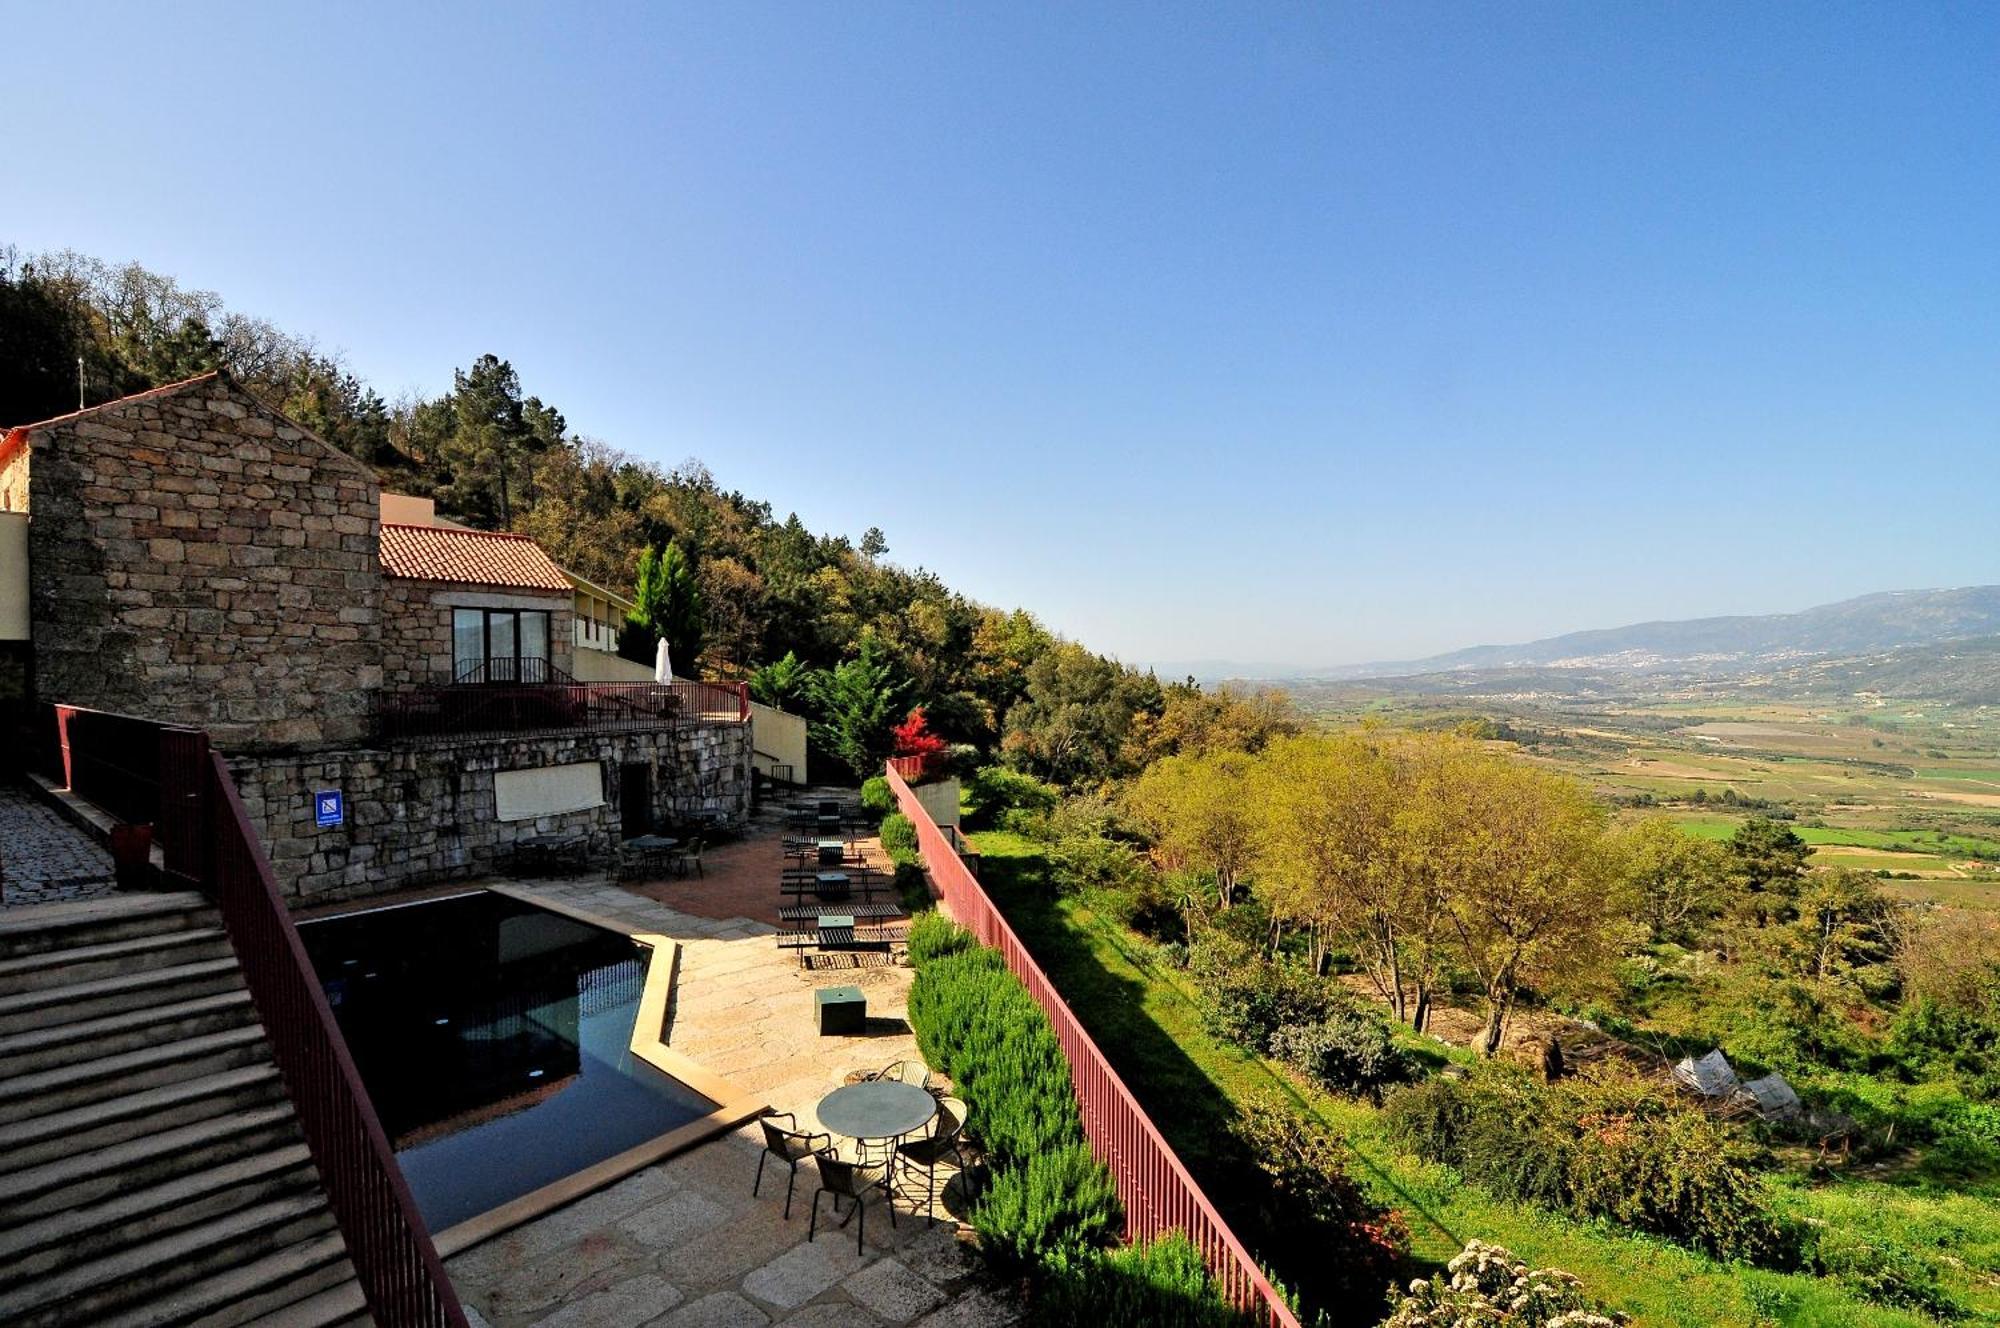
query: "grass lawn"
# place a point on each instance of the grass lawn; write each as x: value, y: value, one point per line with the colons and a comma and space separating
x: 1938, y: 847
x: 1146, y: 1020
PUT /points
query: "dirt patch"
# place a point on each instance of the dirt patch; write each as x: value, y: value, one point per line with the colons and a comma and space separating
x: 1674, y: 770
x: 1969, y: 799
x: 1464, y: 1026
x: 1739, y: 730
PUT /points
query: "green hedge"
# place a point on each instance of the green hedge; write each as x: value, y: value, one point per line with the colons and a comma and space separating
x: 1049, y: 1209
x: 876, y: 799
x: 1046, y: 1198
x: 1161, y: 1285
x: 933, y: 936
x: 899, y: 839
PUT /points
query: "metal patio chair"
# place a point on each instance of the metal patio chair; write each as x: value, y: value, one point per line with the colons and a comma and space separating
x: 853, y: 1181
x: 790, y: 1146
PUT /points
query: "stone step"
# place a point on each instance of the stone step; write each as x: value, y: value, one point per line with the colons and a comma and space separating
x: 340, y: 1303
x: 111, y: 1035
x: 45, y: 927
x: 327, y: 1294
x: 261, y: 1292
x: 68, y: 1086
x: 94, y: 998
x: 132, y: 1216
x: 38, y: 1139
x: 61, y: 968
x: 163, y: 1280
x: 151, y: 1159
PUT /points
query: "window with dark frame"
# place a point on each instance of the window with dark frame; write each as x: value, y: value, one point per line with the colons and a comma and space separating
x: 500, y: 645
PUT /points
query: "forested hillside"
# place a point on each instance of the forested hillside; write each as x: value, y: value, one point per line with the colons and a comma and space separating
x: 819, y: 622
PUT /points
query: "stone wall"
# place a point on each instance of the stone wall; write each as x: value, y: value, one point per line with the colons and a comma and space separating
x: 416, y: 626
x: 199, y: 559
x: 424, y: 814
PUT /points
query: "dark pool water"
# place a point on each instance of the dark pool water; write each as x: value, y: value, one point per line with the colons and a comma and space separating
x: 494, y: 1039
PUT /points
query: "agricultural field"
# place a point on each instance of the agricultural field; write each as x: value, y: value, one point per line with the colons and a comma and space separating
x: 1907, y: 790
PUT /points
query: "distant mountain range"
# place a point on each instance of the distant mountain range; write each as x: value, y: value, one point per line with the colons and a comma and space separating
x: 1717, y: 647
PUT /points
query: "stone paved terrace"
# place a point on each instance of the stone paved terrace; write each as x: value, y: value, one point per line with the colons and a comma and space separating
x: 683, y: 1244
x: 43, y: 858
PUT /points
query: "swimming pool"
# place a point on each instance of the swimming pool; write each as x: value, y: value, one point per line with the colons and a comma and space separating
x: 494, y: 1039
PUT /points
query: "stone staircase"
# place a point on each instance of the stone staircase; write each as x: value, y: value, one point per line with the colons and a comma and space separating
x: 151, y: 1169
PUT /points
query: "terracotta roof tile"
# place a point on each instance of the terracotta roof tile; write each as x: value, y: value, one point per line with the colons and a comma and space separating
x: 477, y: 557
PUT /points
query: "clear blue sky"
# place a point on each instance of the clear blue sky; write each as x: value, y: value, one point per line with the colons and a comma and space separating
x: 1304, y: 334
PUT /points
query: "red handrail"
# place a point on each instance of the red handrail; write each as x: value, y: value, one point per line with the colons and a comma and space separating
x: 1158, y: 1193
x: 168, y: 775
x: 394, y: 1259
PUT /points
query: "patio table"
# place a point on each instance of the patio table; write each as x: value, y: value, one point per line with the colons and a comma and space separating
x: 650, y: 853
x: 544, y: 852
x: 879, y: 1109
x: 831, y: 851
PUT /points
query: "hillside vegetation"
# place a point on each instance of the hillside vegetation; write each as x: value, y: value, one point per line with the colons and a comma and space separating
x: 1398, y: 974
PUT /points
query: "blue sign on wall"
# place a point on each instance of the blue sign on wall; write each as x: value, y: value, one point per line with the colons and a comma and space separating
x: 328, y: 808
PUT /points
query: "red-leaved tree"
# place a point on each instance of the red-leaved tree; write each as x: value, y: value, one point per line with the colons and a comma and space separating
x: 914, y: 738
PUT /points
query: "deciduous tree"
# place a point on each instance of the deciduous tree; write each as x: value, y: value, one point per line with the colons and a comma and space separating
x: 1676, y: 883
x: 1202, y: 816
x: 1530, y: 881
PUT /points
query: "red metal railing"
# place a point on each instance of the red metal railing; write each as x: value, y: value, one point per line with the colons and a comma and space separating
x: 481, y: 710
x: 916, y: 769
x: 387, y: 1241
x: 141, y: 772
x: 207, y: 840
x: 1158, y: 1194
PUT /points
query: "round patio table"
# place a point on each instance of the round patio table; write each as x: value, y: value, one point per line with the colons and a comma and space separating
x: 877, y: 1110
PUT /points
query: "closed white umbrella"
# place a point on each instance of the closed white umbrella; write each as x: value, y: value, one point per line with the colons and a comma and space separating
x: 663, y: 664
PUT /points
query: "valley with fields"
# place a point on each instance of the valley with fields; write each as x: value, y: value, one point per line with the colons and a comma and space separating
x: 1806, y: 891
x: 1907, y: 788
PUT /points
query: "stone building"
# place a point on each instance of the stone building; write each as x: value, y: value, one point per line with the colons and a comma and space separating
x: 195, y: 558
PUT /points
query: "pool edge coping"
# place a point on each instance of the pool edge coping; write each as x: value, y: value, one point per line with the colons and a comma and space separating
x: 649, y: 1026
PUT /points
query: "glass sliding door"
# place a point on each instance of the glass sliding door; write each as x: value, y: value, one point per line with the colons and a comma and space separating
x: 534, y: 636
x: 468, y: 645
x: 500, y: 645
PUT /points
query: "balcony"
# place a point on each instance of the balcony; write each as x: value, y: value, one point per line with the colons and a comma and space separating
x: 530, y: 696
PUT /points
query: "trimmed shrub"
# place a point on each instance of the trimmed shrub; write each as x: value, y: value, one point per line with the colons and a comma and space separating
x: 899, y: 839
x: 876, y: 799
x: 1055, y: 1208
x: 1163, y: 1284
x: 977, y: 1023
x: 913, y: 887
x: 1349, y: 1051
x: 1048, y: 1201
x: 933, y: 936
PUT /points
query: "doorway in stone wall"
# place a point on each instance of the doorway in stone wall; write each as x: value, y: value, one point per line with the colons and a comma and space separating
x: 635, y: 798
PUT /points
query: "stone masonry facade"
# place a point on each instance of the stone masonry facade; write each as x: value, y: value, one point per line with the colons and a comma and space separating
x: 416, y: 626
x: 425, y: 814
x: 199, y: 559
x: 196, y: 558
